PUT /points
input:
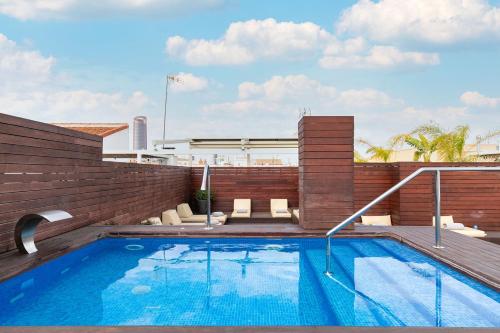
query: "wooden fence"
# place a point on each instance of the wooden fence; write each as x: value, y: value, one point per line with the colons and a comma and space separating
x: 257, y: 183
x: 46, y: 167
x: 473, y: 198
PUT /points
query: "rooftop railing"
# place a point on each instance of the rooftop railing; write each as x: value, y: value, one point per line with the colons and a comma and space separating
x: 437, y: 205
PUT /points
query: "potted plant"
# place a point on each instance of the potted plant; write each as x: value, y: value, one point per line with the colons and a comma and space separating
x: 202, y: 200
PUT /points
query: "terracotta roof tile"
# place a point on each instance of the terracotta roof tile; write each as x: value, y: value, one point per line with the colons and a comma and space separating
x: 100, y: 129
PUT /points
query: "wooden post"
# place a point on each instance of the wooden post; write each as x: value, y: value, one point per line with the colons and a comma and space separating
x: 326, y: 170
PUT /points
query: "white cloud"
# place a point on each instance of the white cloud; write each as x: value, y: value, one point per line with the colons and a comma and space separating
x: 189, y: 83
x: 29, y: 88
x: 73, y: 105
x: 19, y: 66
x: 355, y: 56
x: 475, y: 99
x: 291, y: 87
x: 76, y: 9
x: 365, y: 98
x: 288, y: 93
x: 439, y: 114
x: 246, y: 42
x: 380, y: 126
x: 242, y: 106
x: 250, y: 41
x: 434, y: 21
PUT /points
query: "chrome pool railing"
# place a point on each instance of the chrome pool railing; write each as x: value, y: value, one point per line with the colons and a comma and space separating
x: 437, y: 205
x: 205, y: 186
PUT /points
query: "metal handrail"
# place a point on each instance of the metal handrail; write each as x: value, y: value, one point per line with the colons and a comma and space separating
x: 205, y: 186
x: 437, y: 207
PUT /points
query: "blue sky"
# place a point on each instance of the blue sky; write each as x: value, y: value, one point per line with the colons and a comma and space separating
x: 248, y: 66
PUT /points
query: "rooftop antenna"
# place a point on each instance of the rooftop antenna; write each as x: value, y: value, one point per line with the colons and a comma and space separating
x: 170, y: 79
x: 305, y: 112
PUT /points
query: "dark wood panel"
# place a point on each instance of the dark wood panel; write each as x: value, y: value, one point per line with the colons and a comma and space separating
x: 55, y: 131
x: 473, y: 198
x: 45, y: 167
x: 260, y: 184
x: 326, y: 171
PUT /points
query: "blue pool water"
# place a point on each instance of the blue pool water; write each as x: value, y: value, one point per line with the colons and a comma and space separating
x: 378, y: 282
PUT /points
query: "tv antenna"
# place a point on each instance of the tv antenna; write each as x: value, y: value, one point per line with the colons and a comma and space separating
x: 304, y: 112
x: 169, y: 79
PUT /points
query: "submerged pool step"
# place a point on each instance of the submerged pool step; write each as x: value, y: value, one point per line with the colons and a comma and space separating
x: 350, y: 307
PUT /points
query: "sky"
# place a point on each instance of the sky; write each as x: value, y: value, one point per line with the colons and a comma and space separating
x: 247, y: 68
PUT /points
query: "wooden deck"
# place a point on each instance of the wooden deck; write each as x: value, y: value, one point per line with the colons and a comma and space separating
x: 474, y: 257
x: 471, y: 256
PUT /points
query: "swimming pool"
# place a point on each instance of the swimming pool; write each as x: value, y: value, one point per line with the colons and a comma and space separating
x: 246, y: 281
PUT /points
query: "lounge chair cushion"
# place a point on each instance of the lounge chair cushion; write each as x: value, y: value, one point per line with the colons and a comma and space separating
x: 201, y: 219
x: 242, y: 208
x: 195, y: 218
x: 154, y: 221
x: 448, y: 223
x: 198, y: 224
x: 170, y: 217
x: 237, y: 215
x: 279, y: 204
x: 184, y: 211
x: 279, y: 208
x: 382, y: 220
x: 471, y: 232
x: 454, y: 226
x: 287, y: 215
x: 445, y: 220
x: 222, y: 219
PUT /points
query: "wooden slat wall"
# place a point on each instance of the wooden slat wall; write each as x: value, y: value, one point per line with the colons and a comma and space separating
x: 371, y: 180
x: 326, y: 170
x: 473, y: 198
x: 47, y: 167
x: 261, y: 184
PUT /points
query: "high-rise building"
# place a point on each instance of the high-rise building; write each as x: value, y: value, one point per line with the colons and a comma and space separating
x: 140, y: 133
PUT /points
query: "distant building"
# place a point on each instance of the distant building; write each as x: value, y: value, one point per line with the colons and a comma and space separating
x: 115, y: 136
x: 268, y: 162
x: 487, y: 152
x: 142, y: 157
x: 140, y: 133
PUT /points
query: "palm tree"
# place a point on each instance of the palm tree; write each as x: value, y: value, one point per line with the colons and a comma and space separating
x: 379, y: 153
x: 423, y: 145
x: 451, y: 145
x: 429, y: 138
x: 358, y: 158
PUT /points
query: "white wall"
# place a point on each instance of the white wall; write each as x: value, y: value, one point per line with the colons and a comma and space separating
x: 117, y: 141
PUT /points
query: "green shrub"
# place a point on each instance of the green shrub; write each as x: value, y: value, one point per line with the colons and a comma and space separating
x: 203, y: 195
